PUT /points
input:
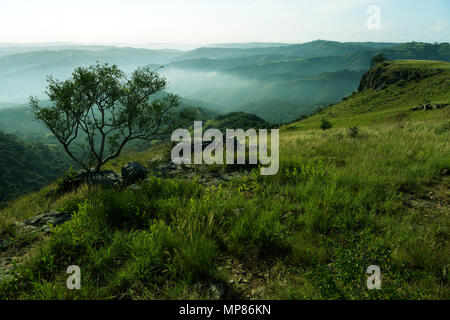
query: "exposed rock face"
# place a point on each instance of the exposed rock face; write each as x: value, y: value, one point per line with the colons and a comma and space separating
x: 153, y: 162
x: 12, y: 251
x: 132, y: 172
x: 430, y: 106
x: 134, y: 187
x: 106, y: 178
x: 385, y: 74
x: 43, y: 221
x: 203, y: 173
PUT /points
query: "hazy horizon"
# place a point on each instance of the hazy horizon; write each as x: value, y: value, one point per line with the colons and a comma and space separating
x: 160, y: 46
x: 200, y: 22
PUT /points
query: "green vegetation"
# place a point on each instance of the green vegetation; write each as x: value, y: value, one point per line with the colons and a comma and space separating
x: 98, y: 110
x: 238, y: 120
x: 269, y: 110
x: 344, y: 199
x: 378, y: 59
x: 26, y: 167
x: 19, y: 121
x: 325, y: 125
x: 296, y: 79
x: 387, y: 94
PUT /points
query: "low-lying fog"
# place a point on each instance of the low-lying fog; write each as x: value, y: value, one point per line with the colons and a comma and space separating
x: 210, y: 87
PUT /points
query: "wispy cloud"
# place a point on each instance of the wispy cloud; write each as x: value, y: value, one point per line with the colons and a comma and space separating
x: 439, y: 26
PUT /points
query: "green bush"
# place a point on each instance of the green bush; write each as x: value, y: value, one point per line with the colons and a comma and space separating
x: 353, y: 132
x: 68, y: 182
x: 325, y: 124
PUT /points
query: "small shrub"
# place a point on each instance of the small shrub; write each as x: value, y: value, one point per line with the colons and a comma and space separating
x: 262, y: 234
x: 443, y: 128
x: 68, y: 182
x: 215, y: 168
x: 353, y: 132
x: 126, y: 209
x: 325, y: 125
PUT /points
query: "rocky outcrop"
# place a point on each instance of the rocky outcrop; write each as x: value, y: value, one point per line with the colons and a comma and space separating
x: 13, y: 251
x: 44, y: 222
x: 203, y: 173
x: 386, y: 74
x: 133, y: 172
x: 107, y: 178
x: 430, y: 106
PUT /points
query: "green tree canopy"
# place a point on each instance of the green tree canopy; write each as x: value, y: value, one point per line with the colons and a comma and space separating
x: 378, y: 59
x: 98, y: 110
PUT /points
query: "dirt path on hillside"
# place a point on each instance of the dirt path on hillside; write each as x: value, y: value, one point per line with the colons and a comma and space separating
x: 434, y: 201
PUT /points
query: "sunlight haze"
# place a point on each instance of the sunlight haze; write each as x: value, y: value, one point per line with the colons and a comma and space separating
x: 200, y: 22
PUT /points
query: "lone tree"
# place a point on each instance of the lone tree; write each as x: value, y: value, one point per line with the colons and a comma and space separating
x: 98, y: 110
x: 378, y: 59
x: 325, y: 124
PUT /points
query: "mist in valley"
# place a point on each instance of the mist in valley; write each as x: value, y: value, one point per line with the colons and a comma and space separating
x: 277, y: 82
x: 216, y: 88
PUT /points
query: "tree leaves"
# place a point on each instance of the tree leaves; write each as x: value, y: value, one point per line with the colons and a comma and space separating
x: 97, y: 111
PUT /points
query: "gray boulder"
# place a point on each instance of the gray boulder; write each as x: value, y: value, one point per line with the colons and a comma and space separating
x: 43, y: 221
x: 107, y: 178
x: 134, y: 187
x: 216, y: 291
x: 132, y: 172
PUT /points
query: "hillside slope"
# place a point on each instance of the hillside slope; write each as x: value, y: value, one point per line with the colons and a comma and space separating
x: 387, y: 91
x: 343, y: 200
x: 26, y: 167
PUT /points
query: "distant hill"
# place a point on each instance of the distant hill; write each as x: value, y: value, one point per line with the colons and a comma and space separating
x: 237, y: 120
x: 389, y: 91
x: 354, y: 61
x: 311, y: 49
x: 277, y: 111
x: 322, y: 73
x: 19, y: 120
x: 26, y: 167
x: 249, y: 45
x: 225, y: 77
x: 24, y: 74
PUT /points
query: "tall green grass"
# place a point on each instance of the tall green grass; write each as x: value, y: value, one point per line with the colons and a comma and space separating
x: 344, y: 199
x: 336, y: 207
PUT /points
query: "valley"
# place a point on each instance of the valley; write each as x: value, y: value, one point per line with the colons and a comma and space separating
x: 370, y: 188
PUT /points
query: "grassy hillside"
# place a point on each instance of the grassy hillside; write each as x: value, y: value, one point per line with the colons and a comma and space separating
x: 396, y: 88
x: 317, y: 73
x: 269, y: 110
x: 26, y: 167
x: 342, y: 201
x: 19, y: 121
x: 238, y: 120
x: 314, y: 73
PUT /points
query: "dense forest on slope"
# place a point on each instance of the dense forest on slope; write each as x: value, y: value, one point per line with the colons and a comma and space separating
x: 26, y: 167
x: 237, y: 120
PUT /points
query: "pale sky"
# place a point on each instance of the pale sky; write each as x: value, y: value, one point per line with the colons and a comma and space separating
x: 220, y: 21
